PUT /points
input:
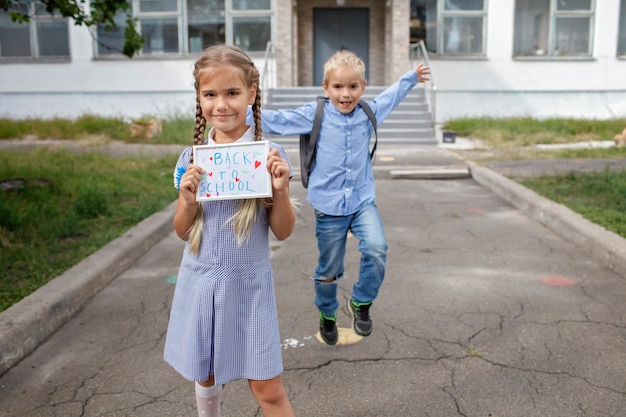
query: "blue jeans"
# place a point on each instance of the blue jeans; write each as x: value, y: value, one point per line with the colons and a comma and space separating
x: 332, y: 232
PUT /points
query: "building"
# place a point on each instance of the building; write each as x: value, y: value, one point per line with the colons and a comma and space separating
x: 539, y: 58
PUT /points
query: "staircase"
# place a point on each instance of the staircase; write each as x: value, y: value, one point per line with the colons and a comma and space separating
x: 408, y: 123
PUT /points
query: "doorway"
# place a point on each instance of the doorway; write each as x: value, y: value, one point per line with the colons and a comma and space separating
x: 337, y: 29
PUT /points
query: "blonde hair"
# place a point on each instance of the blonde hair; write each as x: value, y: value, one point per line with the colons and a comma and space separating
x: 344, y: 59
x: 211, y: 58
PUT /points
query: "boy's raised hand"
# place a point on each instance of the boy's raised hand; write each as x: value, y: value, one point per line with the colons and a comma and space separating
x: 279, y: 169
x: 422, y: 72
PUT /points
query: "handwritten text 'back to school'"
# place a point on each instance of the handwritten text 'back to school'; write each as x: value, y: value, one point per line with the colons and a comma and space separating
x: 232, y: 173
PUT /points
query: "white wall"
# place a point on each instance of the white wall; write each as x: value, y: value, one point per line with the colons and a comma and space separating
x: 502, y: 86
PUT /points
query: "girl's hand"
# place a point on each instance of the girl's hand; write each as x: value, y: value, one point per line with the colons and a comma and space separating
x: 282, y: 218
x: 279, y: 169
x: 189, y: 183
x: 423, y: 73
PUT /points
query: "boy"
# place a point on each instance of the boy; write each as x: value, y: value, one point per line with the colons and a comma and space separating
x: 341, y: 184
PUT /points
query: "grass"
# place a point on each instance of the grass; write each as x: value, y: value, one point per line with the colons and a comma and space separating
x: 60, y: 207
x: 600, y: 198
x: 515, y: 138
x: 525, y: 131
x: 176, y: 130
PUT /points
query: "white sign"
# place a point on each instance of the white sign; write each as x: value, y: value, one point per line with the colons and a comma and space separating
x: 236, y: 170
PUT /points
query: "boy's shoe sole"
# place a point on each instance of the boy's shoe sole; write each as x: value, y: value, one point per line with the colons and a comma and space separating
x: 328, y: 330
x: 361, y: 322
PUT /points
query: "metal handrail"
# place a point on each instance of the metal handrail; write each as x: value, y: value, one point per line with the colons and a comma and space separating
x: 269, y: 71
x: 417, y: 54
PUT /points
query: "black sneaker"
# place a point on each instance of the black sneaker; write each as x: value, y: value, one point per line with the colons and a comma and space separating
x: 328, y: 329
x: 361, y: 322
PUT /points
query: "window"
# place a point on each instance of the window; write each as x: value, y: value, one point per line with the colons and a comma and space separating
x: 112, y: 41
x: 182, y: 27
x: 621, y: 42
x: 251, y: 4
x: 553, y: 28
x: 206, y: 23
x: 449, y: 27
x: 159, y: 23
x: 45, y: 37
x: 251, y: 33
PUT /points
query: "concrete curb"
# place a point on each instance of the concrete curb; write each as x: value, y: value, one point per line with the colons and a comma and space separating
x: 28, y: 323
x: 430, y: 173
x: 606, y: 247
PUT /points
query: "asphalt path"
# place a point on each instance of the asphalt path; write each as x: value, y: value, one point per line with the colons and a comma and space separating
x: 486, y: 310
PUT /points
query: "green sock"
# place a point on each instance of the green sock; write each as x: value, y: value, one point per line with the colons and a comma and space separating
x: 333, y: 318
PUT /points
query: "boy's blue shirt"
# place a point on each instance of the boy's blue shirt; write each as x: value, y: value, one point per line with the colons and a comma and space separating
x: 342, y: 179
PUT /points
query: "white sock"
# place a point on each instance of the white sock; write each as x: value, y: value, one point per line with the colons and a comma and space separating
x: 208, y: 400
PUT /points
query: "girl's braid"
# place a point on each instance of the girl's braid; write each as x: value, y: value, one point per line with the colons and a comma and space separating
x: 195, y: 231
x: 198, y: 135
x: 256, y: 113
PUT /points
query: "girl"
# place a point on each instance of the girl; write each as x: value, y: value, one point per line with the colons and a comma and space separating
x: 223, y: 323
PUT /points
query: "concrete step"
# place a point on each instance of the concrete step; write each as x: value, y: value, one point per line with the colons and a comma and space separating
x: 389, y: 136
x: 403, y: 109
x: 312, y: 92
x: 300, y: 95
x: 409, y: 132
x: 300, y: 99
x: 390, y: 123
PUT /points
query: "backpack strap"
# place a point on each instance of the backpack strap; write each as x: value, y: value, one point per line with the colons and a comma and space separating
x: 315, y: 132
x: 370, y: 115
x: 308, y: 143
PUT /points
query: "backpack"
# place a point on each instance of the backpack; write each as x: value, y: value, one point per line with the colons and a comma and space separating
x: 308, y: 143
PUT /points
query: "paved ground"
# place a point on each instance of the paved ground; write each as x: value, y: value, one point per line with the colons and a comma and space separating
x: 487, y: 310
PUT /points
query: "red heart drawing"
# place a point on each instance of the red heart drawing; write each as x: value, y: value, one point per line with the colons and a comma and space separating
x: 208, y: 194
x: 236, y: 179
x: 257, y: 164
x: 210, y: 174
x: 210, y: 158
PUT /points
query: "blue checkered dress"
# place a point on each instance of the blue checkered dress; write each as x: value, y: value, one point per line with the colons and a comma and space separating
x: 223, y: 320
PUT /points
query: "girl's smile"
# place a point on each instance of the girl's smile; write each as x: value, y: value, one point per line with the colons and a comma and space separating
x: 223, y: 117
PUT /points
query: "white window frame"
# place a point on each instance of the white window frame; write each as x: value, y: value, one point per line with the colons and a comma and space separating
x: 35, y: 20
x: 180, y: 14
x: 177, y: 14
x: 553, y: 16
x: 443, y: 14
x: 621, y: 30
x: 232, y: 14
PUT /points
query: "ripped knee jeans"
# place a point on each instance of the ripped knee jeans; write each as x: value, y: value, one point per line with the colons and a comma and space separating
x: 332, y: 234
